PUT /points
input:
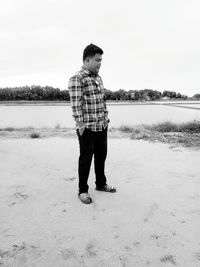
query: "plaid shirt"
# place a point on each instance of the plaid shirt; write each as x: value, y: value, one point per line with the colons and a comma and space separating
x: 87, y: 97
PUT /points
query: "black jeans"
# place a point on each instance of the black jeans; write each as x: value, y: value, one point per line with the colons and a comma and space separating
x: 92, y: 143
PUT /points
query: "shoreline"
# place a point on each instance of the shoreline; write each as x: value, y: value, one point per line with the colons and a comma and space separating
x: 109, y: 103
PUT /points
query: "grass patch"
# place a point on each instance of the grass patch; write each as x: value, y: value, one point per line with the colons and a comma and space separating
x: 191, y: 127
x: 9, y: 129
x: 13, y: 129
x: 130, y: 129
x: 186, y: 134
x: 32, y: 132
x: 188, y: 127
x: 164, y: 127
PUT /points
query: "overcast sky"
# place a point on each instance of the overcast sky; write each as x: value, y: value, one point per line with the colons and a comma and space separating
x: 152, y: 44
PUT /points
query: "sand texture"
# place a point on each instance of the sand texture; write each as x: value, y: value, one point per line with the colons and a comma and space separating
x: 153, y: 219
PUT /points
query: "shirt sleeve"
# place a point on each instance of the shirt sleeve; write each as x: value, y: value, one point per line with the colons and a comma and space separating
x: 104, y: 97
x: 76, y: 96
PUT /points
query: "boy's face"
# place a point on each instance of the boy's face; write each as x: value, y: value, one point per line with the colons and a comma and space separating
x: 93, y: 64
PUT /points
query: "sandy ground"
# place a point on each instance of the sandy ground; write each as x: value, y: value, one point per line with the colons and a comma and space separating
x: 153, y: 219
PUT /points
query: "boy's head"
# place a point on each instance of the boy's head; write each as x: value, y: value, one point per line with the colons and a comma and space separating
x: 92, y: 57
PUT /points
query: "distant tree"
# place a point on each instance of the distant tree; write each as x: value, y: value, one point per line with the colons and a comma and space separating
x: 154, y: 95
x: 196, y: 96
x: 134, y: 95
x: 64, y: 95
x: 117, y: 94
x: 123, y: 95
x: 170, y: 94
x: 108, y: 94
x: 178, y: 95
x: 166, y: 94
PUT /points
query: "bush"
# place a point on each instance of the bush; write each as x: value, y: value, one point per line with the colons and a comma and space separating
x: 9, y: 129
x: 165, y: 127
x: 35, y: 135
x: 126, y: 129
x: 191, y: 127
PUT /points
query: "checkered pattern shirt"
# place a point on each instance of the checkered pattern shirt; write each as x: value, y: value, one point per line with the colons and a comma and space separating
x: 87, y: 97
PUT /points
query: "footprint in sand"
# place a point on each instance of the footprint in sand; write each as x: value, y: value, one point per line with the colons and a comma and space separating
x: 137, y: 243
x: 91, y: 249
x: 61, y: 206
x: 20, y: 255
x: 128, y: 249
x: 68, y: 253
x: 18, y: 197
x: 123, y: 261
x: 168, y: 258
x: 197, y: 255
x: 153, y: 208
x: 12, y: 204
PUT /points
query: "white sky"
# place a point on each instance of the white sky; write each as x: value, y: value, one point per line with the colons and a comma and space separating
x: 152, y: 44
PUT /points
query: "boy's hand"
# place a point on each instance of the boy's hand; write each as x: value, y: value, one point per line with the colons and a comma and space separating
x: 81, y: 130
x: 81, y: 127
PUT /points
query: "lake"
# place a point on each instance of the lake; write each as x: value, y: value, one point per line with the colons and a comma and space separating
x: 120, y: 114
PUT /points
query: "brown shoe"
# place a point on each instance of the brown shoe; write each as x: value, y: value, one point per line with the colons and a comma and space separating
x: 85, y: 198
x: 107, y: 188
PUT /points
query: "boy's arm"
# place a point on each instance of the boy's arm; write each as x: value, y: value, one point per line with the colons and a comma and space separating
x: 76, y: 95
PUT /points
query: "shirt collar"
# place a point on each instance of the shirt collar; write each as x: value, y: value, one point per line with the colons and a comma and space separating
x: 91, y: 74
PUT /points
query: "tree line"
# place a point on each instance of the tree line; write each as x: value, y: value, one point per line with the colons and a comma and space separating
x: 34, y: 93
x: 48, y: 93
x: 142, y: 95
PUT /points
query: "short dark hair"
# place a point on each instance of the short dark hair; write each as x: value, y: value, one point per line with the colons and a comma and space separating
x: 91, y: 50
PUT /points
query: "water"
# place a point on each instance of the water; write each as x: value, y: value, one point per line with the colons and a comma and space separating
x: 51, y: 116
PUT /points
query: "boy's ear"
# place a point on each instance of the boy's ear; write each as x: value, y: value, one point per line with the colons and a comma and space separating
x: 87, y: 59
